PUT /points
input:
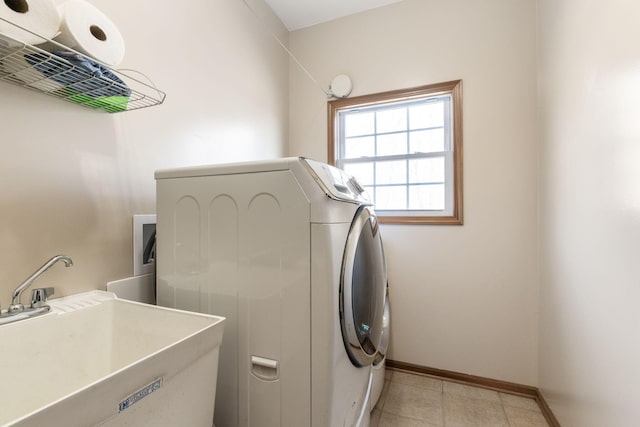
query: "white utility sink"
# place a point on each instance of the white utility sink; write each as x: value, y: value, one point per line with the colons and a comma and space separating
x: 98, y: 360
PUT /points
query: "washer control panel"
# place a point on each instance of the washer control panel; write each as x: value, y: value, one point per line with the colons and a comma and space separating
x: 337, y: 183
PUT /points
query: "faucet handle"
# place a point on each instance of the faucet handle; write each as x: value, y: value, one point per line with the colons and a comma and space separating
x: 39, y: 297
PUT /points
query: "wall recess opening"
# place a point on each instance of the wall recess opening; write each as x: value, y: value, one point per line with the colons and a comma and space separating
x: 144, y: 238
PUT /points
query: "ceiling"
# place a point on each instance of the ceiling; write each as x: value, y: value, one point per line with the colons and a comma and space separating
x: 296, y: 14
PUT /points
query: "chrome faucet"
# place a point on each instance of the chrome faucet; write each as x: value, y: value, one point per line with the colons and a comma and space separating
x: 16, y: 306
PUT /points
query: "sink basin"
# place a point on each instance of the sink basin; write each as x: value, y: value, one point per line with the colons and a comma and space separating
x: 98, y: 360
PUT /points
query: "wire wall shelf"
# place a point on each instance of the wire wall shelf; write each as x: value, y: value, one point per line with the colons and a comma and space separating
x: 63, y: 73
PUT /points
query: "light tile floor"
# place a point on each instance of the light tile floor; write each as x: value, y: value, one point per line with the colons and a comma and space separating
x: 414, y: 400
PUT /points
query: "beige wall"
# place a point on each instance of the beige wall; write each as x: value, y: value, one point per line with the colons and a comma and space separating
x: 72, y: 178
x: 463, y: 298
x: 590, y: 210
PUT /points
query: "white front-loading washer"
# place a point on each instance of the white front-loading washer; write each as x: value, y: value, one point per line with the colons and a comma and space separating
x: 289, y: 251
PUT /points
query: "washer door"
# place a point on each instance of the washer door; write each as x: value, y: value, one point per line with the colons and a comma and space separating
x: 362, y: 288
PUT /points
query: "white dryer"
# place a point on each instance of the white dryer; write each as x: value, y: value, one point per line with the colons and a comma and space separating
x: 289, y: 251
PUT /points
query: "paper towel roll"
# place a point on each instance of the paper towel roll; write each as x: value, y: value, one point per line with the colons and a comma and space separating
x: 18, y: 67
x: 86, y: 29
x: 39, y: 16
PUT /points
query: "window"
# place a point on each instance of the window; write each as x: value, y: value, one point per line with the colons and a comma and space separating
x: 405, y: 148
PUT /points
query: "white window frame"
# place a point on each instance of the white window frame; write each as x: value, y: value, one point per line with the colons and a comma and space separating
x: 452, y: 213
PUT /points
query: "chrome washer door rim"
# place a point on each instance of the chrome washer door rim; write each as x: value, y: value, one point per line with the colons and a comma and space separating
x: 363, y: 282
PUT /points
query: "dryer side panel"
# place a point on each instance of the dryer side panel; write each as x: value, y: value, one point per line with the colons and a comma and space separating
x: 275, y: 303
x: 239, y: 246
x: 198, y: 225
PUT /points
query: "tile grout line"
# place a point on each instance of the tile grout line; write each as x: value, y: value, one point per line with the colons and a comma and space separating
x: 504, y: 411
x: 444, y: 420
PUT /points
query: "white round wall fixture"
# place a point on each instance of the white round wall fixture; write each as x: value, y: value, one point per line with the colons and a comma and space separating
x: 341, y: 86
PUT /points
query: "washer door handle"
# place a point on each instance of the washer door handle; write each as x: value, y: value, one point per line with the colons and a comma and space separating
x: 263, y: 368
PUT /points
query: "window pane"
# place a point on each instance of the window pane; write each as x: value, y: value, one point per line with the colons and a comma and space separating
x: 356, y: 124
x: 426, y: 197
x: 426, y: 141
x: 392, y: 144
x: 359, y: 147
x: 391, y: 198
x: 427, y: 115
x: 426, y: 170
x: 391, y: 172
x: 362, y: 171
x: 370, y: 191
x: 391, y: 120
